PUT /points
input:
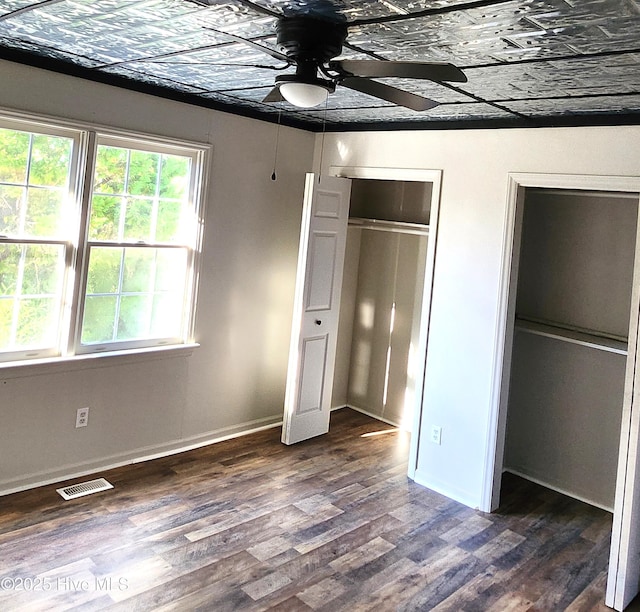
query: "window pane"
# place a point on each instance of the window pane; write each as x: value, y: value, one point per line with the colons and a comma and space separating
x: 43, y: 269
x: 35, y: 172
x: 138, y: 270
x: 138, y: 292
x: 140, y: 193
x: 14, y: 153
x: 166, y: 318
x: 104, y: 270
x: 31, y: 270
x: 143, y: 173
x: 174, y: 176
x: 145, y: 301
x: 50, y: 158
x: 31, y: 280
x: 37, y: 323
x: 9, y: 260
x: 11, y: 202
x: 44, y: 212
x: 99, y: 319
x: 137, y: 224
x: 171, y: 266
x: 159, y: 185
x: 111, y: 168
x: 134, y: 318
x: 170, y: 221
x: 105, y: 217
x: 168, y: 304
x: 6, y: 320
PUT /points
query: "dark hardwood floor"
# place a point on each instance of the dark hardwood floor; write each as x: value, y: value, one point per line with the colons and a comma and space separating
x: 330, y: 524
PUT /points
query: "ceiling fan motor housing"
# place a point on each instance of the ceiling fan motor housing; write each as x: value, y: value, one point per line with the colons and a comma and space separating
x: 304, y: 39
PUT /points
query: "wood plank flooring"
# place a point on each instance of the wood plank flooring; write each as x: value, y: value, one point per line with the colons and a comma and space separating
x: 330, y: 524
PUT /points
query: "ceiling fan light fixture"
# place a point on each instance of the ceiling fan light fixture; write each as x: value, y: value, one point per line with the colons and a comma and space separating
x: 304, y: 95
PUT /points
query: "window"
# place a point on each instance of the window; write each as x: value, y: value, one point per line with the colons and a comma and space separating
x: 112, y: 270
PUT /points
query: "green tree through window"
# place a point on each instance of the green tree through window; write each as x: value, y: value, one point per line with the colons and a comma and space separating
x: 138, y: 253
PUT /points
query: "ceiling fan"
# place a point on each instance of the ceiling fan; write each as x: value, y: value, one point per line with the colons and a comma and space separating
x: 310, y: 44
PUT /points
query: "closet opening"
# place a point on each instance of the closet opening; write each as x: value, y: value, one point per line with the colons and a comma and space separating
x: 571, y: 311
x: 569, y: 355
x: 386, y: 291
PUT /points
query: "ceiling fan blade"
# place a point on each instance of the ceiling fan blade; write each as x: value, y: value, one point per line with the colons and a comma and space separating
x: 433, y: 71
x: 272, y: 52
x: 388, y: 93
x: 274, y: 96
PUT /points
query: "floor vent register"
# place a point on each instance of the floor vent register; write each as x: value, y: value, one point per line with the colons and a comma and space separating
x: 84, y: 488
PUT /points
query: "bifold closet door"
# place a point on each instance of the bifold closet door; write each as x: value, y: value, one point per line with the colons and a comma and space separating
x: 314, y: 329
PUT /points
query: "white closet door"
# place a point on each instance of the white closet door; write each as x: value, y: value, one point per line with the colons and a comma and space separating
x: 317, y: 303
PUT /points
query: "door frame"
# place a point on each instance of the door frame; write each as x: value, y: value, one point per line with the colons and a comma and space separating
x: 423, y: 176
x: 629, y: 452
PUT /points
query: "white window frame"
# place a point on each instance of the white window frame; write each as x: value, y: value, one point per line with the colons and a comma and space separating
x: 77, y: 247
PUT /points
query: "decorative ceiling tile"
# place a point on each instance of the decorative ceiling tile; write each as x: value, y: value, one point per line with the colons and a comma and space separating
x: 593, y: 105
x: 574, y: 77
x: 444, y: 112
x: 8, y: 6
x: 543, y: 58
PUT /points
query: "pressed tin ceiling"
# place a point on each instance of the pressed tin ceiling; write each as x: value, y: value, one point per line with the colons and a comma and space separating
x: 528, y: 63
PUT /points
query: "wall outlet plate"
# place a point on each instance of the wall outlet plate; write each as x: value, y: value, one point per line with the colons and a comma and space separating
x: 82, y: 417
x: 436, y: 434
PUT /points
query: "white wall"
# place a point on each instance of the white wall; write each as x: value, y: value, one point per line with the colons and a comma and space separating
x: 461, y: 368
x: 235, y: 379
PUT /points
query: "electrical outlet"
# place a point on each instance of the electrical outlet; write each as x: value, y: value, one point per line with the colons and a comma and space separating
x: 82, y: 417
x: 436, y: 434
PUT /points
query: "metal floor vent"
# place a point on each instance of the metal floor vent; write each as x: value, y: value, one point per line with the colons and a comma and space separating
x: 84, y: 488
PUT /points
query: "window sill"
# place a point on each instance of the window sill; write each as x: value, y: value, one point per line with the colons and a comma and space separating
x: 52, y: 365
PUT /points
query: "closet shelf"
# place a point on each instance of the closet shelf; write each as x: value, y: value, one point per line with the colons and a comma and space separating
x: 581, y: 338
x: 401, y: 227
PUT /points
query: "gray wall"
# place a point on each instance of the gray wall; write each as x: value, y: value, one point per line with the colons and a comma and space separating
x: 576, y: 263
x: 390, y: 274
x: 565, y: 410
x: 565, y: 403
x: 235, y: 380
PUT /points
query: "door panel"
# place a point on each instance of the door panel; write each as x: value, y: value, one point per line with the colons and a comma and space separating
x: 322, y: 263
x: 316, y: 306
x: 314, y: 354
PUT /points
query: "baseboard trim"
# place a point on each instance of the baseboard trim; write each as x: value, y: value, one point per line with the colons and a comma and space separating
x: 557, y: 489
x: 461, y: 497
x: 147, y: 453
x: 371, y: 414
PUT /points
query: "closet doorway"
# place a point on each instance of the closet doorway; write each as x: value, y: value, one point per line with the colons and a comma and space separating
x: 386, y: 295
x: 568, y: 416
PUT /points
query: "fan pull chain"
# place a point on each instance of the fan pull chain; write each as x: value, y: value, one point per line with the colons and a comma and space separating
x: 275, y: 153
x: 324, y: 125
